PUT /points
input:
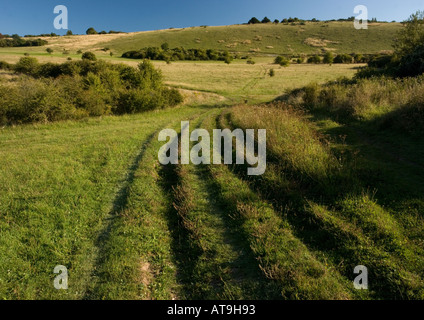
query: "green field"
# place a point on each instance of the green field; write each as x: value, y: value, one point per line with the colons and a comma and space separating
x: 340, y: 37
x: 343, y: 186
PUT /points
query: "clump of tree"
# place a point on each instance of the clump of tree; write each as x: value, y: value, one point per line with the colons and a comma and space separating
x: 282, y: 61
x: 408, y: 57
x: 76, y: 89
x: 254, y: 20
x: 163, y: 53
x: 42, y: 35
x: 89, y: 56
x: 17, y: 41
x: 314, y: 59
x: 91, y: 31
x: 343, y: 58
x: 328, y: 58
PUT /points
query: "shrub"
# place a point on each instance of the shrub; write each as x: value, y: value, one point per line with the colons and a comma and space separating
x: 49, y: 50
x: 282, y: 61
x: 5, y: 66
x: 89, y: 56
x: 328, y: 58
x: 82, y: 88
x: 254, y: 20
x: 314, y: 59
x: 343, y: 58
x: 265, y: 20
x: 27, y: 65
x: 228, y: 59
x: 91, y: 31
x: 69, y: 33
x: 271, y: 72
x: 358, y: 58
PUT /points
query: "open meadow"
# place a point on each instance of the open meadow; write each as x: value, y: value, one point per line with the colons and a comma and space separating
x: 344, y: 184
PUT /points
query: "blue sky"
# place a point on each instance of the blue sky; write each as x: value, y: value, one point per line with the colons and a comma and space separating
x: 35, y: 17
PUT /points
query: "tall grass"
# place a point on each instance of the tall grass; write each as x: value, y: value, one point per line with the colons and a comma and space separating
x: 398, y: 102
x: 327, y: 203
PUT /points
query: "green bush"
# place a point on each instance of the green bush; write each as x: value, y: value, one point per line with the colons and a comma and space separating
x: 254, y: 20
x: 300, y: 60
x: 76, y: 89
x: 328, y: 58
x: 314, y: 59
x: 343, y: 58
x: 282, y: 61
x: 89, y: 56
x: 27, y: 65
x: 5, y: 65
x: 91, y: 31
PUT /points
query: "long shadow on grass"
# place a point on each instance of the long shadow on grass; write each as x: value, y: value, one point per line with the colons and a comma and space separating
x: 387, y: 160
x: 119, y: 203
x: 313, y: 232
x: 185, y: 253
x: 245, y: 269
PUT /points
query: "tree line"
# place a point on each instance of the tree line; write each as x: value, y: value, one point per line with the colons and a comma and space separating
x: 164, y: 53
x: 17, y: 41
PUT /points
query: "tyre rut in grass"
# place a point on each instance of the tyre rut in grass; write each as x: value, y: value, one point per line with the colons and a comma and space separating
x: 344, y: 238
x: 220, y: 264
x: 135, y: 259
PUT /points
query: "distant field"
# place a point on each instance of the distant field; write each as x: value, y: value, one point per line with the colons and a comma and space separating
x: 240, y: 81
x: 236, y: 82
x: 259, y: 39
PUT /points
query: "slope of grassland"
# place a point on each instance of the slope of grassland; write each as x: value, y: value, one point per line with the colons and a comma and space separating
x: 91, y: 195
x: 258, y: 39
x: 339, y: 37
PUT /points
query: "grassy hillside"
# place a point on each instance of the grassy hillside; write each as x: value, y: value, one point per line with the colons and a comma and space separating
x: 340, y: 37
x: 259, y: 39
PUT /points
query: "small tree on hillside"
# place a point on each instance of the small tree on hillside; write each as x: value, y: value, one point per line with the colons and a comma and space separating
x: 411, y: 36
x: 328, y: 57
x: 89, y: 56
x: 282, y: 61
x: 254, y: 20
x: 314, y: 59
x: 69, y: 33
x: 91, y: 31
x: 266, y: 20
x: 49, y: 50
